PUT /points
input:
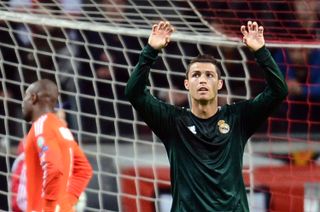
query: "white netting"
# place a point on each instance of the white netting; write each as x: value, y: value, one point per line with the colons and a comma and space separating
x: 90, y: 48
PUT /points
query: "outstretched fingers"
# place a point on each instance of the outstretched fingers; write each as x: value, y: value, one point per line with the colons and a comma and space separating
x: 154, y: 27
x: 166, y: 24
x: 252, y: 35
x: 161, y: 25
x: 260, y: 30
x: 244, y: 33
x: 251, y: 27
x: 160, y: 35
x: 254, y: 26
x: 169, y: 28
x: 243, y: 30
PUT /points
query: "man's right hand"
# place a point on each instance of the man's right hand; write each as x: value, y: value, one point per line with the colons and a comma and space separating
x: 160, y: 35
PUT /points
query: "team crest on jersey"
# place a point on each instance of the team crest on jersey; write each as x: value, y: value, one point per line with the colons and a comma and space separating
x: 192, y: 129
x: 40, y: 142
x: 224, y: 128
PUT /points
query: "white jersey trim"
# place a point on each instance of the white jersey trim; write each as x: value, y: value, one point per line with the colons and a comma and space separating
x: 38, y: 125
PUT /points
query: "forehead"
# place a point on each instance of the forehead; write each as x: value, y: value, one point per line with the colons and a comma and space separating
x: 202, y: 67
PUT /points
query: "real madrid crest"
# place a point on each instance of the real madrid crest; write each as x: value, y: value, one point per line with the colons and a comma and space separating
x: 224, y: 128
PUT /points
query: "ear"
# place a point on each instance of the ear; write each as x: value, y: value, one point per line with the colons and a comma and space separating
x: 34, y: 98
x: 186, y: 84
x: 220, y: 84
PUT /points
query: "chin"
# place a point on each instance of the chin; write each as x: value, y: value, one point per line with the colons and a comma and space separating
x: 27, y: 117
x: 204, y: 98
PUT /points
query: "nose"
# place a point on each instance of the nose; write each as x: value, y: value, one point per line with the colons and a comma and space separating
x: 203, y: 78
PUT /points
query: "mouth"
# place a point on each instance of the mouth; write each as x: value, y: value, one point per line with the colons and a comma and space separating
x: 202, y: 89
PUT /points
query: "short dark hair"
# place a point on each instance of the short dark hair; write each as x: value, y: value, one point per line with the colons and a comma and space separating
x: 204, y: 58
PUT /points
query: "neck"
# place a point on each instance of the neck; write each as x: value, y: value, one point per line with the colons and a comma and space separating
x: 41, y: 112
x: 204, y: 110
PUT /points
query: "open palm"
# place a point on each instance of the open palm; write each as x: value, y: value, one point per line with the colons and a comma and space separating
x: 160, y: 35
x: 253, y: 35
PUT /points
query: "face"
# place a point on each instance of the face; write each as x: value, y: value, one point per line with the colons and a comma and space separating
x: 306, y: 12
x: 27, y: 105
x: 203, y: 83
x: 111, y: 11
x: 298, y: 56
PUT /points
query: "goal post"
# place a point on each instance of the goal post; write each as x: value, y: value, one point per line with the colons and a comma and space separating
x: 90, y: 47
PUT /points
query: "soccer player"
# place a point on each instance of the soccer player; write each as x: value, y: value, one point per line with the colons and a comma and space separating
x: 57, y: 171
x: 205, y: 145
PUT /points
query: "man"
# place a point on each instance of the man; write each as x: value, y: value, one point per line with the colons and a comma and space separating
x: 205, y: 145
x: 57, y: 171
x: 18, y: 181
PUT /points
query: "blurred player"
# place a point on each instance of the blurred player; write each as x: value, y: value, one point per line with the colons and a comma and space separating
x: 205, y: 145
x: 57, y: 171
x: 18, y: 180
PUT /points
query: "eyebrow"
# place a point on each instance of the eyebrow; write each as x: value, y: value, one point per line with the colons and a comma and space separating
x: 205, y: 71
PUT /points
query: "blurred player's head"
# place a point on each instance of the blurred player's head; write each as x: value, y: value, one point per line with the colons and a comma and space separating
x: 40, y: 97
x: 114, y: 9
x: 307, y: 12
x: 203, y: 79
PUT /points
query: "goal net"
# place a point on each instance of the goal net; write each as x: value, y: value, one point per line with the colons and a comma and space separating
x: 90, y: 47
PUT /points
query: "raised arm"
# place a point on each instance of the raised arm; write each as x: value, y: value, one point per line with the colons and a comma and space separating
x: 158, y: 39
x: 258, y: 109
x: 154, y: 112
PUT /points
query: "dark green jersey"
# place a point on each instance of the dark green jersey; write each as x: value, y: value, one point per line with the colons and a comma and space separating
x: 205, y: 155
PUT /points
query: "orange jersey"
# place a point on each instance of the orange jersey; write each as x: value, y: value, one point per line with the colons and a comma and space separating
x: 57, y: 169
